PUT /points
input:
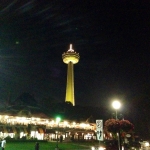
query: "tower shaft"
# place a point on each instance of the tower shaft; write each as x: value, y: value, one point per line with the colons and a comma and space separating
x: 70, y: 84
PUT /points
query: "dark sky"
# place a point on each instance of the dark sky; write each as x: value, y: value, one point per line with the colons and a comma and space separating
x: 112, y: 38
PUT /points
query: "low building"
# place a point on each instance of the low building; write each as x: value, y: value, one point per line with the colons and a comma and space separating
x: 26, y: 124
x: 24, y: 118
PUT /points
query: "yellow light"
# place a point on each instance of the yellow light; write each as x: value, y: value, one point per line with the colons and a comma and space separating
x: 37, y: 118
x: 83, y: 125
x: 101, y: 148
x: 146, y: 144
x: 92, y: 148
x: 32, y: 118
x: 65, y: 123
x: 52, y: 122
x: 6, y: 117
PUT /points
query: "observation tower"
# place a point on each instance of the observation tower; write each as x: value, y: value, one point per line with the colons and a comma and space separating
x: 70, y: 57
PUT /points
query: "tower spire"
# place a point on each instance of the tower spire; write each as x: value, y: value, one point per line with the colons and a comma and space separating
x: 70, y: 50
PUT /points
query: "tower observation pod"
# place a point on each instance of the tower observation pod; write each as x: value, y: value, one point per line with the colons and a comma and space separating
x: 70, y: 57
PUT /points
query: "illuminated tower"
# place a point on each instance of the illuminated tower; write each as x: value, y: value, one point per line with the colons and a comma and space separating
x: 70, y: 57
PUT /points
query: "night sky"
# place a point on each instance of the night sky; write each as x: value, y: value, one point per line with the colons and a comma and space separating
x: 112, y: 38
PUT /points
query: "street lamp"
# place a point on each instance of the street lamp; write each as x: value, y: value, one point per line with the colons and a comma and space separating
x: 57, y: 121
x: 116, y: 105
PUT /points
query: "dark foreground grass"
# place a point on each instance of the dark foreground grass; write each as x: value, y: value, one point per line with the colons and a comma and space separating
x: 45, y: 146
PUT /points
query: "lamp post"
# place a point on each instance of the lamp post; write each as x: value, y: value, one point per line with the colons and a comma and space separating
x: 57, y: 121
x: 116, y: 105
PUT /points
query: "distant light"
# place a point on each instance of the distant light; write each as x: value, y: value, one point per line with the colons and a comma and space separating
x: 17, y: 42
x: 65, y: 123
x: 93, y: 148
x: 83, y: 125
x: 146, y: 144
x: 6, y: 117
x: 98, y: 148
